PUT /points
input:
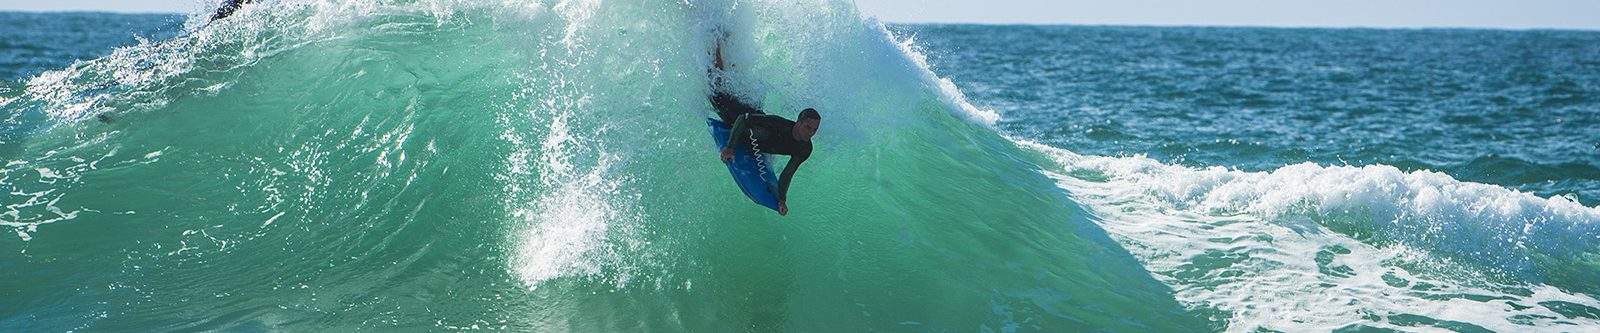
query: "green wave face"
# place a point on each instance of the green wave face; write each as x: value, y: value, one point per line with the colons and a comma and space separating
x: 441, y: 165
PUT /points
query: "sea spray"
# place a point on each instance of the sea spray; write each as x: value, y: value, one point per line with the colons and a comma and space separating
x: 461, y: 164
x: 342, y: 165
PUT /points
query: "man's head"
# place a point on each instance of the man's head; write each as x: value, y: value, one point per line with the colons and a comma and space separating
x: 806, y: 125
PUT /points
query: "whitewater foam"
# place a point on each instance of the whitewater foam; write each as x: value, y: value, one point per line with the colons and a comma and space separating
x: 1308, y: 247
x: 568, y: 226
x: 576, y: 219
x: 947, y: 89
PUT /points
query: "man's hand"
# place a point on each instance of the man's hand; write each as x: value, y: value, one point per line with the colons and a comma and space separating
x: 783, y: 208
x: 727, y: 155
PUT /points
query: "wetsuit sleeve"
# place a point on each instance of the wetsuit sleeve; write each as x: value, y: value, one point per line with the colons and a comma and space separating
x: 788, y: 174
x: 735, y: 135
x: 739, y: 134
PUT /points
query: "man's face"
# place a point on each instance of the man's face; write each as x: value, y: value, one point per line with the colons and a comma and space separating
x: 804, y: 129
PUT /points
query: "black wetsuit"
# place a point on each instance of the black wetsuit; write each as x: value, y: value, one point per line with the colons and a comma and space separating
x: 763, y: 133
x: 228, y: 7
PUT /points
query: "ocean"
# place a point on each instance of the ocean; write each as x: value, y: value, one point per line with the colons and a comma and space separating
x: 481, y: 165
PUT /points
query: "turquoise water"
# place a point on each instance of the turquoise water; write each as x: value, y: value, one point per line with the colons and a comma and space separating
x: 312, y: 165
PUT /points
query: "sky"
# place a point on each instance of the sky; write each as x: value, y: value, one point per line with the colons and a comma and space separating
x: 1516, y: 14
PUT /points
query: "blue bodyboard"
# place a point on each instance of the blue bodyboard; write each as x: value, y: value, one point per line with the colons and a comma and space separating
x: 753, y: 172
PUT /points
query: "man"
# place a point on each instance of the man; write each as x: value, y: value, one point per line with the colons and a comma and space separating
x: 764, y: 133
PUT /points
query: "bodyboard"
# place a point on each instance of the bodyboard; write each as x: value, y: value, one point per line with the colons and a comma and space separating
x: 751, y: 171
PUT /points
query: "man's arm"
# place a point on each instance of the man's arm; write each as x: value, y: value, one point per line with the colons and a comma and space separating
x: 739, y: 134
x: 788, y: 174
x: 736, y: 135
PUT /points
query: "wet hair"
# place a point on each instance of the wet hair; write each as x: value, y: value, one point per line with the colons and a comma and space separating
x: 810, y: 113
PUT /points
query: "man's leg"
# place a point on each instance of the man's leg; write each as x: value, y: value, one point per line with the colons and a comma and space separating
x: 228, y: 7
x: 728, y: 107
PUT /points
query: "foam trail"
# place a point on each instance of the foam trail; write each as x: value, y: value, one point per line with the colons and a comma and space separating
x: 568, y: 225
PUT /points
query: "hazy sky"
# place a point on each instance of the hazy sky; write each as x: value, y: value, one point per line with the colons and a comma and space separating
x: 1580, y: 14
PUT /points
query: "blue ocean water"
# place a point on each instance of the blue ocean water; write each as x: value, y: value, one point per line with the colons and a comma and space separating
x: 36, y: 42
x: 1519, y: 109
x: 534, y: 166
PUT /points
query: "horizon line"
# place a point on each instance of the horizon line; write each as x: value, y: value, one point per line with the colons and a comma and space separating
x: 1223, y: 25
x: 1020, y: 23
